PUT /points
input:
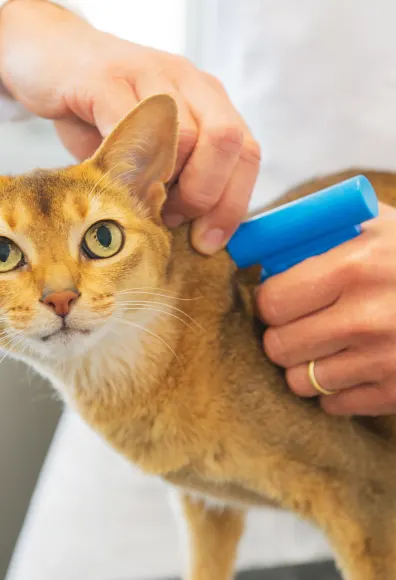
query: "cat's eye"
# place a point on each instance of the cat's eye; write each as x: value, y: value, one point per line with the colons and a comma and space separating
x: 11, y: 257
x: 103, y: 240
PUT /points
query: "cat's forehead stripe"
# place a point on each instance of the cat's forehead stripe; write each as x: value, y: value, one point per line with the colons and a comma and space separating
x: 50, y: 189
x: 43, y: 190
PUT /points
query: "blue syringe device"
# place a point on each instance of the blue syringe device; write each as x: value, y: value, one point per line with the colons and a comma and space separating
x: 282, y: 237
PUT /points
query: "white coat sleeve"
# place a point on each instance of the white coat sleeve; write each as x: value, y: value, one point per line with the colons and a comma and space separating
x: 10, y: 109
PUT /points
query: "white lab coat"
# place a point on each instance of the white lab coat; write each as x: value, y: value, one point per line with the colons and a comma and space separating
x: 316, y: 81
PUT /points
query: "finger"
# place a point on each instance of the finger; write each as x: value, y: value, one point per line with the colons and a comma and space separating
x: 336, y: 373
x: 79, y: 138
x: 220, y: 142
x: 147, y: 85
x: 314, y: 284
x: 208, y: 169
x: 316, y: 336
x: 370, y: 400
x: 112, y: 102
x: 227, y: 214
x: 385, y: 211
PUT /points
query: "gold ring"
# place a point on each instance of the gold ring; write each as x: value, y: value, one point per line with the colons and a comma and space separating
x: 314, y: 382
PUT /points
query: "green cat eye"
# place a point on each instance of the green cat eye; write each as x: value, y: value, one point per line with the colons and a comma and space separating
x: 10, y: 255
x: 103, y: 240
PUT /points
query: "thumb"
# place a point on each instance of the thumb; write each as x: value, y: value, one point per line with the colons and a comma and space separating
x: 111, y: 103
x: 79, y: 138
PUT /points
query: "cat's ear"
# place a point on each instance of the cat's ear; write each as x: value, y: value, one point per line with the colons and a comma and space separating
x: 141, y: 151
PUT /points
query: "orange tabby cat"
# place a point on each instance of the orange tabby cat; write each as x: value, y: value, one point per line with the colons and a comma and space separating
x: 158, y: 349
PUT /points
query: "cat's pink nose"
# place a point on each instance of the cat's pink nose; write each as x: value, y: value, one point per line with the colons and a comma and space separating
x: 61, y: 301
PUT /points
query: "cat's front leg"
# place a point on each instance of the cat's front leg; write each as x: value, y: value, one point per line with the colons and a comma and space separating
x: 213, y: 534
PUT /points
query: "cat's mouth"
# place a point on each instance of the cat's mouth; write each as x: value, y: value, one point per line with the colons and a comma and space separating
x: 65, y: 332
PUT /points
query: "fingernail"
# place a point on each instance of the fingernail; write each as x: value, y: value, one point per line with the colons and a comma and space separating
x: 173, y: 220
x: 211, y: 241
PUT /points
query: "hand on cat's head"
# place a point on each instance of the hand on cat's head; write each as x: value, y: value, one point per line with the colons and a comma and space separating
x: 99, y: 77
x: 74, y: 241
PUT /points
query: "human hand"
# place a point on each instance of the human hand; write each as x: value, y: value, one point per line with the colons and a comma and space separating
x: 339, y: 309
x: 61, y: 68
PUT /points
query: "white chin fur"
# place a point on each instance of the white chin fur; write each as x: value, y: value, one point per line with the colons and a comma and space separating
x: 67, y: 346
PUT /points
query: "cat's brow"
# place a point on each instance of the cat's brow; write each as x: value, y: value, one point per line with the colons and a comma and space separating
x: 13, y: 218
x: 7, y: 225
x: 75, y: 207
x: 50, y: 188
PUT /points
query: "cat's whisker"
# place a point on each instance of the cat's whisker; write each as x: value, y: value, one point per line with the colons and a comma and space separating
x: 24, y: 347
x: 145, y: 302
x: 149, y: 288
x: 106, y: 187
x: 115, y: 331
x: 9, y: 336
x: 135, y: 288
x: 7, y: 328
x: 6, y: 354
x: 128, y: 322
x: 6, y: 331
x: 137, y: 291
x: 6, y: 348
x: 137, y: 308
x: 15, y: 341
x: 102, y: 177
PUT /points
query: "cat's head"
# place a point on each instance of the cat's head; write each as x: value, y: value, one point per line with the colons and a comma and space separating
x: 73, y: 241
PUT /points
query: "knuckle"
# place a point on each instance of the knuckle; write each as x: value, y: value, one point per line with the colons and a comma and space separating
x: 199, y: 203
x: 388, y: 363
x: 269, y: 309
x: 390, y: 395
x: 151, y: 63
x: 233, y: 210
x: 355, y: 269
x: 358, y: 265
x: 251, y: 152
x: 195, y: 197
x: 226, y: 139
x: 187, y: 142
x: 373, y: 366
x: 180, y: 63
x: 369, y: 319
x: 334, y: 406
x: 213, y: 81
x: 361, y: 326
x: 274, y: 348
x: 295, y: 382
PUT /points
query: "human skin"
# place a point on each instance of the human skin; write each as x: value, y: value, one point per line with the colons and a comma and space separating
x: 343, y: 316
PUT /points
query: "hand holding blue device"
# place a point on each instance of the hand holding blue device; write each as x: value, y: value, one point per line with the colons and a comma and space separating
x: 281, y: 238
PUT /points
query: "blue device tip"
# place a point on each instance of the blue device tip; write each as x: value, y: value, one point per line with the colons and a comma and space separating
x: 308, y: 226
x: 368, y: 194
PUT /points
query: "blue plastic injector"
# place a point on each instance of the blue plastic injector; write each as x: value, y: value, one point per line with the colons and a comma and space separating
x: 282, y: 237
